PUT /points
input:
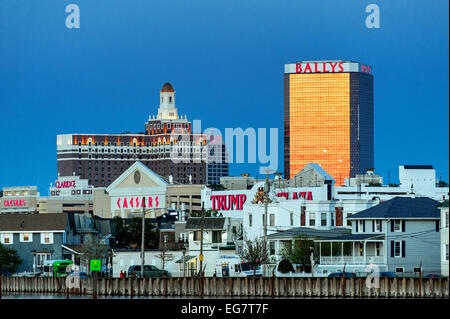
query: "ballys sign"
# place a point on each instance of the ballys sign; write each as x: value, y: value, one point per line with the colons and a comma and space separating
x: 137, y: 202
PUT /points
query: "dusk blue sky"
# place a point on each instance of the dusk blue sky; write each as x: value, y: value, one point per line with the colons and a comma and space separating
x: 225, y: 60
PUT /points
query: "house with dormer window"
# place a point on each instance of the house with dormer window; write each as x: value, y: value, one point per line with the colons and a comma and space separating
x: 401, y: 235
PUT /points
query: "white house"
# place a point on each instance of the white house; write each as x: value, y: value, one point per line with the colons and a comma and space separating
x: 444, y: 237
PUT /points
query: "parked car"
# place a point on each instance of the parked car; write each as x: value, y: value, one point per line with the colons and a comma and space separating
x: 341, y: 274
x: 434, y: 276
x: 149, y: 271
x: 5, y: 273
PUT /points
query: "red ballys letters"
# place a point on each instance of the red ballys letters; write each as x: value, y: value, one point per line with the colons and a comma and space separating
x: 321, y: 67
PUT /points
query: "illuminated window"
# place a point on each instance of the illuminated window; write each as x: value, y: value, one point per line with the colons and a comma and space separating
x: 26, y: 237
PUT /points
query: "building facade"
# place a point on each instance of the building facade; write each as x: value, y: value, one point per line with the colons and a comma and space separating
x: 400, y: 236
x: 168, y: 147
x: 328, y: 117
x: 19, y: 199
x: 444, y: 238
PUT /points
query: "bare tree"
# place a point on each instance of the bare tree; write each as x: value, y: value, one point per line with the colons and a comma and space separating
x: 94, y: 248
x: 255, y: 253
x: 163, y: 255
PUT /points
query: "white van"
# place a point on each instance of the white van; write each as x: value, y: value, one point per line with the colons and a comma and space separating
x: 234, y: 266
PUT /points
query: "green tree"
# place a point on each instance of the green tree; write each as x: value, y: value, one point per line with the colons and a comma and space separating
x: 285, y: 266
x: 9, y: 259
x: 301, y: 252
x: 255, y: 253
x: 94, y: 248
x: 127, y: 234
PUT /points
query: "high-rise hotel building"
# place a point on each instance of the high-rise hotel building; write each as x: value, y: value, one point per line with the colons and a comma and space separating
x: 168, y: 147
x: 328, y: 117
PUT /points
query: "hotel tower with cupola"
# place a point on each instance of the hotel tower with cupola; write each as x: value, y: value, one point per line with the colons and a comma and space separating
x: 168, y: 147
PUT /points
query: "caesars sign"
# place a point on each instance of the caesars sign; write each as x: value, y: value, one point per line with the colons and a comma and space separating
x: 14, y: 203
x: 327, y: 67
x: 138, y: 202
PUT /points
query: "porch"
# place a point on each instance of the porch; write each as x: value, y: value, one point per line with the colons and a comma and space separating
x: 352, y: 249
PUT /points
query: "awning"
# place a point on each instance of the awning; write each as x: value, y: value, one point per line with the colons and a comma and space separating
x: 186, y: 259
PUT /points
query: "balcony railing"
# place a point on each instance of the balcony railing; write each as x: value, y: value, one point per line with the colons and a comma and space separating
x: 351, y: 260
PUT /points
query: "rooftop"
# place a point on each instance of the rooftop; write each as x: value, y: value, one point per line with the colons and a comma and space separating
x: 402, y: 207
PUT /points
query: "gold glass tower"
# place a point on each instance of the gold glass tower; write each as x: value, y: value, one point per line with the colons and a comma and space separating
x: 328, y: 117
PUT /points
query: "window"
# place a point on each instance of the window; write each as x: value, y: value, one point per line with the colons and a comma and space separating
x: 250, y: 220
x: 291, y: 216
x: 272, y: 247
x: 216, y: 237
x: 377, y: 225
x: 26, y: 237
x: 323, y: 219
x: 397, y: 225
x: 312, y: 219
x: 361, y: 226
x: 397, y: 249
x: 399, y: 269
x: 446, y: 252
x: 46, y: 238
x: 377, y: 247
x: 197, y: 235
x: 272, y: 219
x: 7, y: 239
x: 349, y: 223
x: 417, y: 269
x: 446, y: 220
x: 41, y: 257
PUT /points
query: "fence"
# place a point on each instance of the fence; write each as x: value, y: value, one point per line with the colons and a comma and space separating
x: 236, y: 287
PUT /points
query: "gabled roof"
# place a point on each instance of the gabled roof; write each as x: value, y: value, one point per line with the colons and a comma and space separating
x: 137, y: 166
x: 321, y: 171
x: 32, y: 222
x: 209, y: 223
x: 402, y: 207
x: 309, y: 232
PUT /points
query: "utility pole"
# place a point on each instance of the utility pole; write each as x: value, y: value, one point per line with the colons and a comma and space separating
x: 201, y: 238
x: 143, y: 237
x: 266, y: 199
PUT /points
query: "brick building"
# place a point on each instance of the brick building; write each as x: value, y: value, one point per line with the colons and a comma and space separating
x: 168, y: 147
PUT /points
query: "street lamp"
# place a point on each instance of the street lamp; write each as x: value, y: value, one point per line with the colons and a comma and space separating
x: 184, y: 261
x: 311, y: 248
